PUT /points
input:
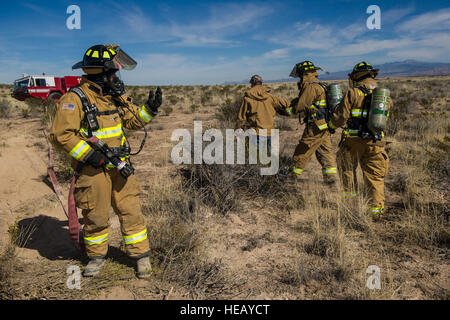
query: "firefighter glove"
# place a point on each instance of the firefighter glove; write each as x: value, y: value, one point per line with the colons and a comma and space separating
x: 96, y: 159
x: 282, y: 111
x: 154, y: 100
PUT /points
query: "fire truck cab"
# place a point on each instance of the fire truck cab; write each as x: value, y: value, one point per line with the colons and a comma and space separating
x: 44, y: 87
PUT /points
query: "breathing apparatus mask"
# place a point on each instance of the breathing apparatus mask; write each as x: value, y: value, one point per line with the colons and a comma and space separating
x: 115, y: 85
x: 109, y: 81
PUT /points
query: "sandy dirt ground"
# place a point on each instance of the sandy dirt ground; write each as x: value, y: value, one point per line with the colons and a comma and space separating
x: 259, y: 246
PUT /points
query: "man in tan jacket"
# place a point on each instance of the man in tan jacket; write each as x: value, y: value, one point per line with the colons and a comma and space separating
x: 357, y: 145
x: 258, y: 109
x: 100, y: 184
x: 311, y: 105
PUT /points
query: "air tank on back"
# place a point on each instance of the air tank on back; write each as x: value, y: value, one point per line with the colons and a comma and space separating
x: 379, y: 109
x: 334, y: 95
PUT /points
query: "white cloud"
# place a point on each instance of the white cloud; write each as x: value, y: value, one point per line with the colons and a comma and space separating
x: 370, y: 46
x: 420, y: 37
x: 394, y: 15
x: 352, y: 31
x: 430, y: 21
x: 38, y: 9
x: 217, y: 28
x: 277, y: 54
x: 307, y: 36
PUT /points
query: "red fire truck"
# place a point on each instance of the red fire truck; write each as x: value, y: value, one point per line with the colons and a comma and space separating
x: 44, y: 87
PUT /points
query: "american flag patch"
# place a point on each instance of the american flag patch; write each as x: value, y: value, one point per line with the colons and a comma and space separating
x: 70, y: 107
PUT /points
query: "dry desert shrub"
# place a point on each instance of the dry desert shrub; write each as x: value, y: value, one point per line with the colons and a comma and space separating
x: 177, y: 245
x: 5, y: 108
x: 228, y: 112
x: 9, y: 262
x: 226, y: 188
x: 48, y: 111
x: 422, y: 147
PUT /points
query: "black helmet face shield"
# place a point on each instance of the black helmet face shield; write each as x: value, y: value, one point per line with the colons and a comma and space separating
x: 294, y: 73
x: 121, y: 60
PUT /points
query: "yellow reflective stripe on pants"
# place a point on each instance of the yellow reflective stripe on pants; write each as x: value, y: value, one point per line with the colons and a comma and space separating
x: 137, y: 237
x: 329, y: 170
x: 376, y: 210
x: 96, y: 240
x: 297, y: 170
x: 105, y: 132
x: 145, y: 115
x: 289, y: 111
x: 79, y: 150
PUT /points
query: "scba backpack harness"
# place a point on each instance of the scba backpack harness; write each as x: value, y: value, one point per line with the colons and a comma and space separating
x: 370, y: 121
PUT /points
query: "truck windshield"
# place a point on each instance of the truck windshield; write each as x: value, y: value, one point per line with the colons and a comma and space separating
x: 21, y: 84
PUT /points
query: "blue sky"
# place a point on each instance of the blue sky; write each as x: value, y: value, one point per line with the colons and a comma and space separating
x: 206, y: 42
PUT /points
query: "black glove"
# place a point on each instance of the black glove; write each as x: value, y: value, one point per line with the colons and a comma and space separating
x: 154, y: 100
x: 282, y: 111
x: 96, y: 159
x: 321, y: 114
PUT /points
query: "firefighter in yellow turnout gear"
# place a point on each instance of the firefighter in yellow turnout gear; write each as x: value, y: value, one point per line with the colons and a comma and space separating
x: 359, y: 145
x: 100, y: 185
x: 311, y: 104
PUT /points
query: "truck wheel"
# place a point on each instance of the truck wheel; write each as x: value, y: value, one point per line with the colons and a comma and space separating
x: 55, y: 96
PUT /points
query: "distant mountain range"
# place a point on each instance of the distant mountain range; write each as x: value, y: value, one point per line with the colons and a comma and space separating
x: 407, y: 68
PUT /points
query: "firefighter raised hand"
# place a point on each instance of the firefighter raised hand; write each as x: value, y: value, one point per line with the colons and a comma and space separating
x: 154, y: 100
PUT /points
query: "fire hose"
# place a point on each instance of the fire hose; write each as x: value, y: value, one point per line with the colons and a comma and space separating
x: 75, y: 232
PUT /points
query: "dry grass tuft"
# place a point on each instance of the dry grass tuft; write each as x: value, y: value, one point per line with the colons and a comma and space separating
x: 5, y: 108
x: 9, y: 262
x: 177, y: 245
